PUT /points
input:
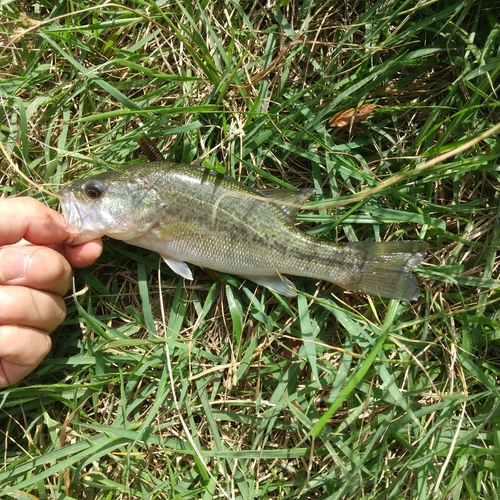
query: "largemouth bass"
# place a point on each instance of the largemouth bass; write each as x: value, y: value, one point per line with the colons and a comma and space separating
x: 189, y: 214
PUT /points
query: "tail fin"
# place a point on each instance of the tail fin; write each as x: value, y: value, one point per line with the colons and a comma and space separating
x: 387, y: 269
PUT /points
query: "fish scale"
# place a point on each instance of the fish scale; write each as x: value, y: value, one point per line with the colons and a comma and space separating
x: 189, y: 214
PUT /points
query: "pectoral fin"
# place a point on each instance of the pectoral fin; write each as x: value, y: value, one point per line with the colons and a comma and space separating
x: 279, y: 284
x: 179, y: 267
x: 146, y: 206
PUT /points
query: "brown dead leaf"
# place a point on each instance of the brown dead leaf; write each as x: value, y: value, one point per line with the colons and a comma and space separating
x: 290, y: 348
x: 344, y: 118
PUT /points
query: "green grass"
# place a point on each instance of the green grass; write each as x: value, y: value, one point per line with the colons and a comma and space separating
x: 235, y: 392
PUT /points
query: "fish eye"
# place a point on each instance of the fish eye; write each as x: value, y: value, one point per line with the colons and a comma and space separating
x: 93, y: 189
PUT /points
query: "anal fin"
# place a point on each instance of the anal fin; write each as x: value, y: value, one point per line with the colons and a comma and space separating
x: 279, y: 284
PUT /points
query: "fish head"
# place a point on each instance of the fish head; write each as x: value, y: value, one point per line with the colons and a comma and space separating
x: 108, y: 205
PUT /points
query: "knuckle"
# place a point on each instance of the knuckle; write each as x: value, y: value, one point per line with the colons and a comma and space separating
x: 58, y: 313
x: 57, y: 268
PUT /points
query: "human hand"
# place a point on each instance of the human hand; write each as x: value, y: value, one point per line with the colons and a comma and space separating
x: 35, y: 273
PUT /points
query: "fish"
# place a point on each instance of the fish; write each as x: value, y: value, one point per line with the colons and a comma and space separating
x: 193, y: 215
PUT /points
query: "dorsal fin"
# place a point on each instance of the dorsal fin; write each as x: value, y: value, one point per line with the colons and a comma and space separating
x: 293, y: 199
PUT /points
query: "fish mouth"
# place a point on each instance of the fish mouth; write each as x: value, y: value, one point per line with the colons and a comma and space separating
x: 80, y: 221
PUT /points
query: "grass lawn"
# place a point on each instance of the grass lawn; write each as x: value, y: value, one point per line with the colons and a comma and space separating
x: 162, y: 388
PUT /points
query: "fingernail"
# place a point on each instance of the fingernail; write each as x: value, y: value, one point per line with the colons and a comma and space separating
x: 13, y: 264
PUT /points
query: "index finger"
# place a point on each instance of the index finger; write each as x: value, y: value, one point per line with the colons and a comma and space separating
x: 27, y: 218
